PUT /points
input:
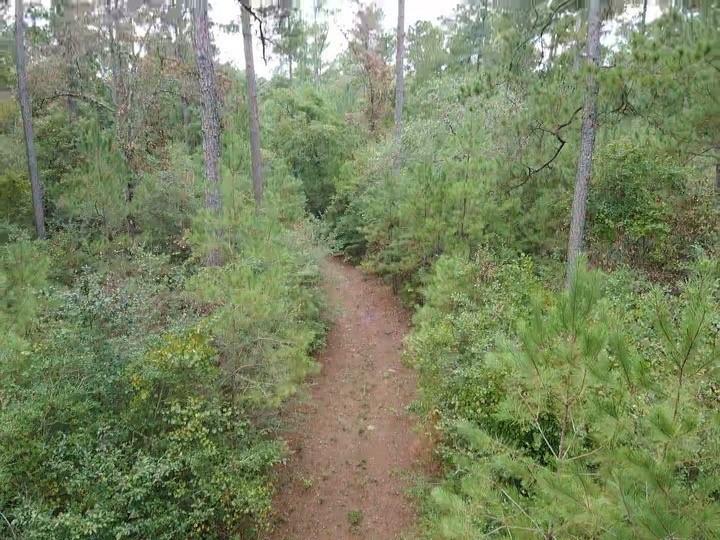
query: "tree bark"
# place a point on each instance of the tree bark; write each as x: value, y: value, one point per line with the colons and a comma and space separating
x: 210, y: 112
x: 180, y: 55
x: 26, y: 112
x: 317, y: 60
x: 255, y: 155
x: 587, y: 143
x: 120, y: 82
x: 578, y: 26
x: 400, y: 73
x: 644, y: 16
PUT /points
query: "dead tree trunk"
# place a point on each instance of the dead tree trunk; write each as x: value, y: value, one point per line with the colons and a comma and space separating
x: 210, y: 112
x: 399, y: 74
x: 26, y: 112
x: 255, y: 155
x: 587, y: 143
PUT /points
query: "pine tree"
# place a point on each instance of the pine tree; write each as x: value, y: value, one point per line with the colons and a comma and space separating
x: 587, y: 141
x: 584, y: 442
x: 400, y: 71
x: 210, y: 112
x: 252, y: 100
x: 26, y: 111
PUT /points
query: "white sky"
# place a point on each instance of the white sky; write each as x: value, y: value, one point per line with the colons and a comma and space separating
x: 230, y: 45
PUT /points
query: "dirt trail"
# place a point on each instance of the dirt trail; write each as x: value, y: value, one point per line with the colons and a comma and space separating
x: 353, y: 446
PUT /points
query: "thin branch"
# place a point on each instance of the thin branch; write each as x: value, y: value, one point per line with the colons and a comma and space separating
x: 570, y: 121
x: 537, y: 527
x: 548, y: 164
x: 76, y: 95
x: 263, y: 37
x: 543, y: 29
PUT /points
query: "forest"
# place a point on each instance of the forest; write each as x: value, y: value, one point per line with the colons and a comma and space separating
x: 538, y: 182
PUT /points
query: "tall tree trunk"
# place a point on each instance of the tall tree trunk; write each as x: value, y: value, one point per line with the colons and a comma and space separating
x: 316, y: 33
x: 255, y: 156
x: 121, y: 94
x: 399, y: 73
x: 587, y: 143
x: 578, y: 54
x: 210, y: 112
x: 181, y: 58
x: 26, y: 111
x: 644, y: 16
x: 66, y: 43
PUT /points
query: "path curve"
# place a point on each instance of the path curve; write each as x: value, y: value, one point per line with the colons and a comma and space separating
x: 353, y: 447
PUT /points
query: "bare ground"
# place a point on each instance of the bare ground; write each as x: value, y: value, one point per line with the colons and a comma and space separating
x: 353, y: 449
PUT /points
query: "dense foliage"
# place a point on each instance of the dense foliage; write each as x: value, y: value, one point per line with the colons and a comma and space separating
x: 138, y: 388
x: 132, y: 385
x: 584, y: 413
x: 587, y: 413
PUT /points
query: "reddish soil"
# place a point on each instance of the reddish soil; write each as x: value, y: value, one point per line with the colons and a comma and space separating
x: 353, y: 447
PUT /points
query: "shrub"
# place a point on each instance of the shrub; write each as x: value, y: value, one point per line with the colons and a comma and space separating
x: 313, y: 140
x: 148, y: 451
x: 622, y: 445
x: 23, y: 276
x: 645, y: 210
x: 166, y: 200
x: 135, y: 397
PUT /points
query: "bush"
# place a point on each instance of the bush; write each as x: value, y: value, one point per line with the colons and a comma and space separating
x: 93, y: 195
x: 23, y: 277
x: 135, y: 397
x: 313, y: 140
x: 603, y: 440
x: 647, y: 211
x: 166, y: 200
x: 265, y: 319
x: 149, y: 450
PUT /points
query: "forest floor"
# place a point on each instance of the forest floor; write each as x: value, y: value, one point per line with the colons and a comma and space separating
x: 354, y: 451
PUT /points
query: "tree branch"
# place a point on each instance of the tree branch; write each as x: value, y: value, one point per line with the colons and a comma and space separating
x: 556, y: 133
x: 263, y: 38
x: 75, y: 95
x: 543, y: 29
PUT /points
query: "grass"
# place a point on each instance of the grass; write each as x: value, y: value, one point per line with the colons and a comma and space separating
x: 355, y: 518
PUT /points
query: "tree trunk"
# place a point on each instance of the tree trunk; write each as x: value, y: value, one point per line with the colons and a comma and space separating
x: 210, y: 112
x: 399, y: 73
x: 26, y: 111
x: 181, y: 58
x: 644, y: 16
x: 578, y: 54
x: 316, y: 33
x: 587, y: 143
x: 717, y: 179
x: 255, y: 156
x: 120, y: 95
x: 73, y: 85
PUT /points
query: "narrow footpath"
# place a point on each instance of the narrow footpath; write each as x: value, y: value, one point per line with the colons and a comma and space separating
x: 353, y: 447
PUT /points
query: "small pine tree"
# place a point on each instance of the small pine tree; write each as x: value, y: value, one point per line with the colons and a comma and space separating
x: 590, y: 439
